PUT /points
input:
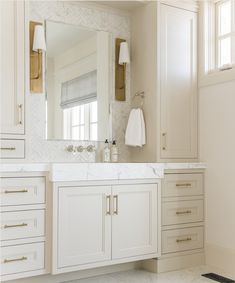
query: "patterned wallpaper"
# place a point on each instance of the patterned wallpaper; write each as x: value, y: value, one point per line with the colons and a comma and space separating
x: 37, y: 148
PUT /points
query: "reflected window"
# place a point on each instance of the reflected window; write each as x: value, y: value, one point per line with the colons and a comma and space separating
x: 81, y: 122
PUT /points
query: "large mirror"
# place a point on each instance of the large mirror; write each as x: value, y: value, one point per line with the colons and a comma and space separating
x: 77, y: 83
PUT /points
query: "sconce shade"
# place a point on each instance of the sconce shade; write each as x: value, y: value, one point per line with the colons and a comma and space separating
x: 124, y: 57
x: 39, y: 42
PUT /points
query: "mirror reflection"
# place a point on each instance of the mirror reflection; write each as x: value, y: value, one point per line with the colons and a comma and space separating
x: 77, y: 83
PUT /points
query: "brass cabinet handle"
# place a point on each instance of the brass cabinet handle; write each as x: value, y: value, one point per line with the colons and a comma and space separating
x: 184, y: 240
x: 115, y: 199
x: 163, y: 141
x: 20, y: 114
x: 8, y: 148
x: 16, y: 192
x: 183, y: 212
x: 15, y: 259
x: 16, y: 225
x: 108, y: 205
x: 184, y: 185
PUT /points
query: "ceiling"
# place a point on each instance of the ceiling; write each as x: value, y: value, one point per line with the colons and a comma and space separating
x: 122, y: 5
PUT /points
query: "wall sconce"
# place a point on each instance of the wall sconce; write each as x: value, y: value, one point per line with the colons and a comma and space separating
x: 37, y: 47
x: 122, y: 58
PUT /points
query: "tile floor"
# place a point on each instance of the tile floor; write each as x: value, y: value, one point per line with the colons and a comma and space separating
x: 139, y: 276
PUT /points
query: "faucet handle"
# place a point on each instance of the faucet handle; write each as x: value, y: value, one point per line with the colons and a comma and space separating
x: 90, y: 148
x: 80, y: 148
x: 70, y: 148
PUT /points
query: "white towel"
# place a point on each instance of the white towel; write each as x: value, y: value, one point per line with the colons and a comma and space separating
x: 135, y: 131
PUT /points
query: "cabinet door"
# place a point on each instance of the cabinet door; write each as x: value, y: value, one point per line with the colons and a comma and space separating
x: 84, y: 225
x: 12, y: 60
x: 135, y: 220
x: 178, y: 83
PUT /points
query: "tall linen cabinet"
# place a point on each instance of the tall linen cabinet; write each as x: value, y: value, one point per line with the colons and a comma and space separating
x: 12, y: 81
x: 164, y: 65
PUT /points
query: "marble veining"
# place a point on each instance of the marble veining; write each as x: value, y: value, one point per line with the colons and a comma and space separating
x: 105, y: 171
x: 99, y: 171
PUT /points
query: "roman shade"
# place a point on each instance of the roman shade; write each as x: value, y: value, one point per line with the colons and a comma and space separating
x: 78, y: 91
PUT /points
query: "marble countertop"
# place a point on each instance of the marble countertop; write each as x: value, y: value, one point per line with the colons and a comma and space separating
x: 98, y: 171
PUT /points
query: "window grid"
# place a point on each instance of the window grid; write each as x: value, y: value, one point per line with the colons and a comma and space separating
x: 220, y: 38
x: 78, y: 122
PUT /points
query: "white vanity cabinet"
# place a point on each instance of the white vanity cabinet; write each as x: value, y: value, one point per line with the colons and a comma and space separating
x: 23, y: 223
x: 182, y: 220
x: 101, y: 225
x: 178, y: 83
x: 12, y: 86
x: 84, y: 225
x: 135, y: 220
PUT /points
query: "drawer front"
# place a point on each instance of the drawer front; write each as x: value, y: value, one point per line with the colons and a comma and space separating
x: 182, y: 240
x: 12, y: 149
x: 177, y: 185
x: 20, y: 191
x: 22, y: 224
x: 22, y: 258
x: 181, y: 212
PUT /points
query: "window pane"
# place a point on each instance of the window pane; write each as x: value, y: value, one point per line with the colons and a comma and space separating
x: 82, y: 132
x: 82, y: 114
x: 224, y: 17
x: 75, y: 115
x: 75, y: 133
x: 93, y: 131
x: 93, y: 111
x: 224, y: 51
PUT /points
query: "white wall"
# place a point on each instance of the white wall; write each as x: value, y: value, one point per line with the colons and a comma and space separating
x: 217, y: 149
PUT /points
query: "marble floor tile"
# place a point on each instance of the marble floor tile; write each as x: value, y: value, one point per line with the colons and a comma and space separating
x: 191, y: 275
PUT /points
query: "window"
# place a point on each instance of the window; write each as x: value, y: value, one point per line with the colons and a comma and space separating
x: 217, y: 36
x: 225, y: 33
x: 81, y: 122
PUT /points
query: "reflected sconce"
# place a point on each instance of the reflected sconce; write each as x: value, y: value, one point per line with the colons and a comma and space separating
x: 37, y: 47
x: 122, y: 59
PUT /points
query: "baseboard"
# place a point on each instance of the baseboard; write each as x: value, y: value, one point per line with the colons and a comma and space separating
x: 221, y: 258
x: 65, y: 277
x: 177, y: 262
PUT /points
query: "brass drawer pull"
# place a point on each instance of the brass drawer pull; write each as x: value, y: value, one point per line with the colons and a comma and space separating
x: 15, y: 259
x: 184, y: 185
x: 16, y: 192
x: 115, y: 198
x: 8, y: 148
x: 16, y: 225
x: 108, y: 205
x: 183, y: 212
x: 184, y: 240
x: 20, y: 114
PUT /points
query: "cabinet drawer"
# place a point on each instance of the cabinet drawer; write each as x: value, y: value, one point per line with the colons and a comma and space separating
x: 182, y: 240
x: 22, y: 258
x: 180, y: 212
x: 177, y: 185
x: 20, y: 191
x: 12, y: 149
x: 22, y: 224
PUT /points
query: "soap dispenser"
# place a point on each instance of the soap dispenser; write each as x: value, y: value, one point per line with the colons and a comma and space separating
x: 114, y: 152
x: 106, y: 152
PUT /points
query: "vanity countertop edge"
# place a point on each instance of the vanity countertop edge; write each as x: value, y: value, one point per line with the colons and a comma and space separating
x: 98, y: 171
